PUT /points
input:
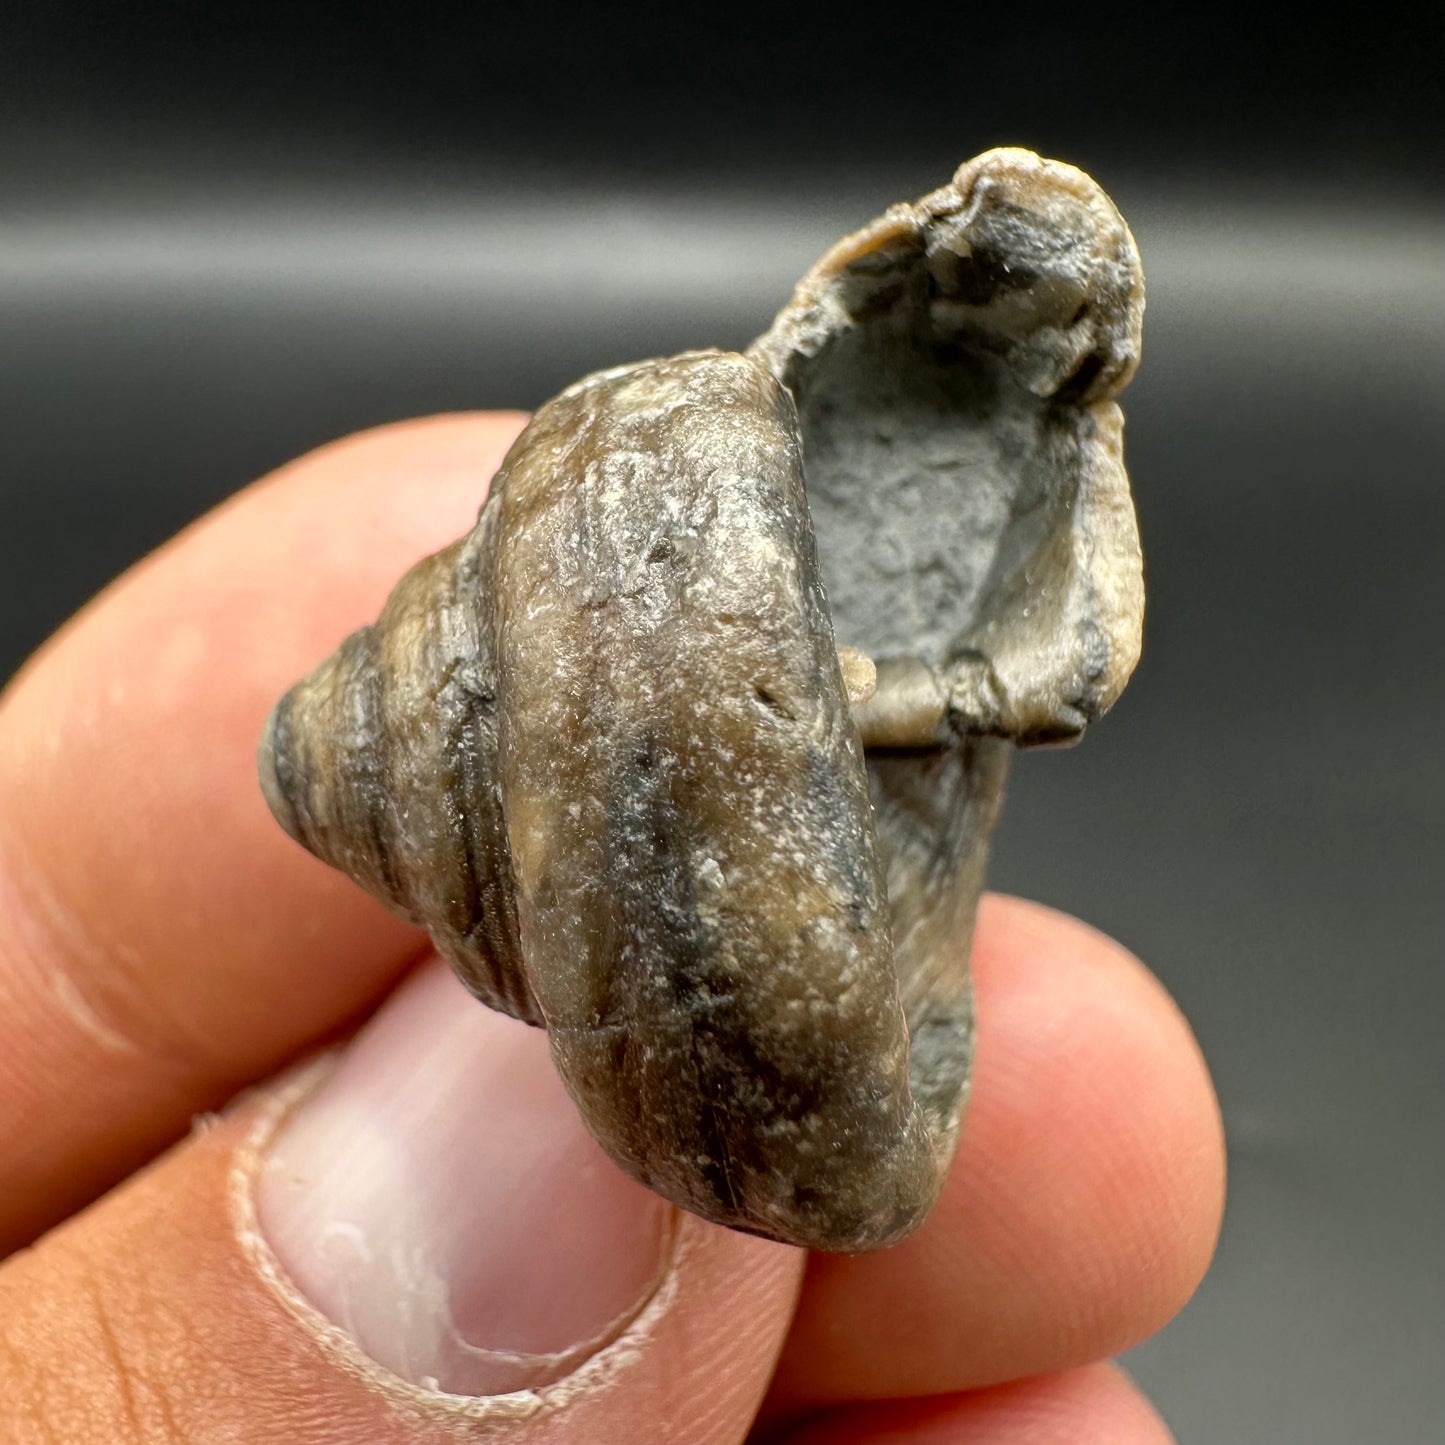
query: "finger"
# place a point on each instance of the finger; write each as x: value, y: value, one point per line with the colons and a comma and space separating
x: 430, y: 1244
x: 162, y: 942
x: 1094, y: 1405
x: 1083, y: 1206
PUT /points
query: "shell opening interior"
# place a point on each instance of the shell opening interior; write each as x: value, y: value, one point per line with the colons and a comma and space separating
x: 936, y: 465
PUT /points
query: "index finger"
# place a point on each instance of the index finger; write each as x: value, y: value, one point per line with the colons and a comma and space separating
x: 162, y: 943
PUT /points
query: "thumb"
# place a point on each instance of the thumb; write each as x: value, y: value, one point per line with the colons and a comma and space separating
x: 418, y: 1244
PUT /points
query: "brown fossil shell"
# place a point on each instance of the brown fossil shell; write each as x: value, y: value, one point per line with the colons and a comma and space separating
x: 608, y: 750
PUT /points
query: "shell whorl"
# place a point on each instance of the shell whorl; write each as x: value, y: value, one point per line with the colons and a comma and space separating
x: 383, y: 763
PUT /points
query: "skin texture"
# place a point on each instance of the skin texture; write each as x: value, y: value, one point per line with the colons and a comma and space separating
x: 165, y: 947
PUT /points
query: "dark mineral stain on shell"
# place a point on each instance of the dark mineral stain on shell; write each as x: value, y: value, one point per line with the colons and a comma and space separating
x: 603, y: 750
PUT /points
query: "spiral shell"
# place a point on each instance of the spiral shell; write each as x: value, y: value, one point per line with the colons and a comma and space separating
x: 608, y: 751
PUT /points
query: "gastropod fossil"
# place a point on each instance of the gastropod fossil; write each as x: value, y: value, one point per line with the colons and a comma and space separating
x: 608, y: 750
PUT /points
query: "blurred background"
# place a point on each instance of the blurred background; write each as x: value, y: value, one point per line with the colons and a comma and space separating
x: 228, y: 234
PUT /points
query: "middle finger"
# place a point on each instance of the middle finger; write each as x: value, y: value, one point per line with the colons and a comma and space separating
x: 1084, y: 1204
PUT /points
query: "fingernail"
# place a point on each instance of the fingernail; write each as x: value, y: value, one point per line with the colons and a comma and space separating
x: 439, y: 1200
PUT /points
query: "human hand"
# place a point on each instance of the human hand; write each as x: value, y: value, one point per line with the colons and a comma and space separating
x: 425, y: 1206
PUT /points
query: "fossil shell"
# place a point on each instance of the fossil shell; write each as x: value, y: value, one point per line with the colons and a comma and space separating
x: 609, y: 750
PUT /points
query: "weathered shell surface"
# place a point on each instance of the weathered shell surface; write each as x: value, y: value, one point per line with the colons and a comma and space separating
x: 603, y: 749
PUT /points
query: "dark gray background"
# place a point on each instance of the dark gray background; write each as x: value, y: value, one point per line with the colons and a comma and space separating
x: 226, y: 237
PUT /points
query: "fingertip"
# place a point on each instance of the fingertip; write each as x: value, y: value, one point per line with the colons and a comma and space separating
x: 1095, y: 1070
x: 1084, y: 1203
x: 425, y: 446
x: 167, y: 1309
